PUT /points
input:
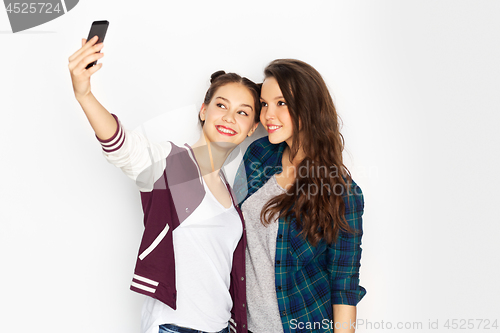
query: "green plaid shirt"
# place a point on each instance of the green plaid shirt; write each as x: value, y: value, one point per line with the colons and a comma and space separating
x: 308, y: 279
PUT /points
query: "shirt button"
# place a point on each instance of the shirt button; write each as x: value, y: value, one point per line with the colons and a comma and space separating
x: 187, y: 210
x: 284, y: 313
x: 244, y: 325
x: 278, y: 262
x: 243, y: 304
x: 280, y: 236
x: 279, y: 287
x: 242, y: 278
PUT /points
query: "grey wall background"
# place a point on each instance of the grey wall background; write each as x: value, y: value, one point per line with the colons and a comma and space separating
x: 415, y: 82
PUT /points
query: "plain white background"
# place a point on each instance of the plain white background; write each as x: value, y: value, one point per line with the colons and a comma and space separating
x: 415, y: 82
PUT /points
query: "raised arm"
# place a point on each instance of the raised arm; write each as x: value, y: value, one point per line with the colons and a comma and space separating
x: 141, y: 160
x: 100, y: 119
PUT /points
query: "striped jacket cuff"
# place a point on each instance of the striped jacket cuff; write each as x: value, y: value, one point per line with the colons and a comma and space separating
x: 116, y: 141
x: 233, y: 325
x: 142, y: 284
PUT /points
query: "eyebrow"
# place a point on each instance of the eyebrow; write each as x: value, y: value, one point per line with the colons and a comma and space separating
x: 279, y: 97
x: 225, y: 99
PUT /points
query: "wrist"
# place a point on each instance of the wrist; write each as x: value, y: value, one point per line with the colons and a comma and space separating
x: 82, y: 99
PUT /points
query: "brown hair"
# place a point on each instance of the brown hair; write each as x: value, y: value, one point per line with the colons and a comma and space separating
x: 320, y: 213
x: 221, y: 78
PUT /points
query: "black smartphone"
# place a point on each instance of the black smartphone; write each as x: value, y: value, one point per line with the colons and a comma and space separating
x: 98, y: 29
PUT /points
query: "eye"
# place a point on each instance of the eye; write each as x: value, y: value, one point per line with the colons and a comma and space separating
x: 243, y: 113
x: 263, y: 104
x: 281, y: 103
x: 222, y: 106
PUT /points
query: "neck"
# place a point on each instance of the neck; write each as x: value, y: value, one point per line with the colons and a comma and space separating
x: 287, y: 153
x: 211, y: 156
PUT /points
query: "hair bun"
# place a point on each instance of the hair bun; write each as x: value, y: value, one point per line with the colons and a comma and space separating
x: 216, y: 75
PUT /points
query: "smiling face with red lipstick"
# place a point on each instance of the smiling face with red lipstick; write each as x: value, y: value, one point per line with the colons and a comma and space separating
x: 230, y: 115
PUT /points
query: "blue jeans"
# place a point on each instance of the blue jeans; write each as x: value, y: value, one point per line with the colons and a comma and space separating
x: 170, y: 328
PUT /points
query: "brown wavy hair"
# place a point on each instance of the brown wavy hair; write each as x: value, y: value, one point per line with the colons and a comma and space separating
x: 316, y: 198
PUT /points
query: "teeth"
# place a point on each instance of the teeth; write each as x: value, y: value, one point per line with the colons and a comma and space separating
x: 273, y: 127
x: 222, y: 129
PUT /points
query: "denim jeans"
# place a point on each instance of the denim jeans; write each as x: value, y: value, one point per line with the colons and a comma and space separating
x: 170, y: 328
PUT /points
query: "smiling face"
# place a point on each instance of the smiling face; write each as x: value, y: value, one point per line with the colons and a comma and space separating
x: 274, y: 114
x: 229, y: 117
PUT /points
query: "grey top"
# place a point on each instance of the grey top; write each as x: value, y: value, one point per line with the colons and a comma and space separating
x: 262, y: 303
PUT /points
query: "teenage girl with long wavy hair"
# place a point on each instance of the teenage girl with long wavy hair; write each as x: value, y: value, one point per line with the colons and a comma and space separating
x: 302, y: 210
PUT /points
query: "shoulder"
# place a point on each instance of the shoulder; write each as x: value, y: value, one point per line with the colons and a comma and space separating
x: 353, y: 198
x: 181, y: 161
x: 261, y: 142
x: 260, y: 146
x: 262, y: 150
x: 177, y: 149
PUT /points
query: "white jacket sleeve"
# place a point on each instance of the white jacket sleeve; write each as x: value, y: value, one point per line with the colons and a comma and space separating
x: 141, y: 160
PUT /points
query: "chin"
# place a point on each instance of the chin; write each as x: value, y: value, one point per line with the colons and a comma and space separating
x: 275, y: 140
x: 224, y: 144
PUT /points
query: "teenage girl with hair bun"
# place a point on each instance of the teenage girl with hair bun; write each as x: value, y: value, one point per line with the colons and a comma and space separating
x: 191, y: 258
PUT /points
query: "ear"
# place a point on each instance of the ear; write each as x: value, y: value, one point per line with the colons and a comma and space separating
x: 203, y: 111
x: 254, y: 127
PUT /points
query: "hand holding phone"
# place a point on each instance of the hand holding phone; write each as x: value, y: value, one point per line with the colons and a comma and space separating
x: 98, y: 29
x: 81, y: 63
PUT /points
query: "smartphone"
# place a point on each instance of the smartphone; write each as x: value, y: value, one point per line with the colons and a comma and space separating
x: 98, y: 28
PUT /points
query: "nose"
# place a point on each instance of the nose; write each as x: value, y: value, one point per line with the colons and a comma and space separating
x: 229, y: 117
x: 269, y: 113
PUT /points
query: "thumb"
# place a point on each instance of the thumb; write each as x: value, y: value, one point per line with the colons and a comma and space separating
x: 84, y: 41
